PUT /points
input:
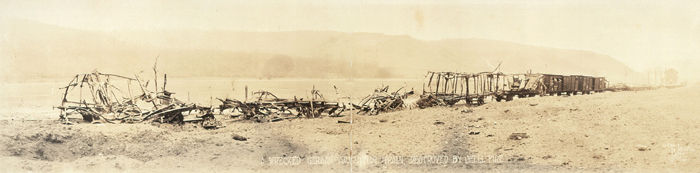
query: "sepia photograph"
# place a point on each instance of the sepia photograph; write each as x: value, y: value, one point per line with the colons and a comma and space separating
x: 170, y: 86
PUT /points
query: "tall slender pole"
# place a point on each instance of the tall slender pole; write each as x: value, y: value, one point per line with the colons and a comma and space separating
x: 155, y: 75
x: 165, y: 81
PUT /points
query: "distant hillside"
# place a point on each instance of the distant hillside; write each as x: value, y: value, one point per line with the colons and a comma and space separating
x: 56, y: 51
x: 34, y: 50
x: 403, y: 55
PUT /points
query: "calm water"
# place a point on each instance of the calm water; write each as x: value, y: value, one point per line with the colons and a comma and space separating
x: 35, y: 100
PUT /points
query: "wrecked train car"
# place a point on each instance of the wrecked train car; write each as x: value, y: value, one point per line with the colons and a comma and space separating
x: 448, y: 88
x: 114, y: 98
x: 268, y: 107
x: 520, y: 85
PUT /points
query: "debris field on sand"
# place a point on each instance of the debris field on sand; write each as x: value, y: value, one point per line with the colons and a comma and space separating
x: 120, y: 99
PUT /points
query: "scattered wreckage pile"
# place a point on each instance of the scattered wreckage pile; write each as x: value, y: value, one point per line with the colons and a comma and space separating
x: 382, y: 101
x: 268, y: 107
x: 110, y: 98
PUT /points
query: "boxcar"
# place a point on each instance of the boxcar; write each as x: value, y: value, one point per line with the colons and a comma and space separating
x: 599, y: 84
x: 553, y: 84
x: 585, y: 84
x: 570, y: 85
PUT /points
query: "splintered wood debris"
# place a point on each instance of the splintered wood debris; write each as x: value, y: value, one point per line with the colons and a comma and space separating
x: 382, y: 101
x: 268, y: 107
x: 114, y: 98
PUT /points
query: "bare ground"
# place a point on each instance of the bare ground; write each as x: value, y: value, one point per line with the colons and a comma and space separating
x: 643, y: 131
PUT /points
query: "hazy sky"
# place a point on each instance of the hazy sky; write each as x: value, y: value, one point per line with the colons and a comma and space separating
x: 642, y: 34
